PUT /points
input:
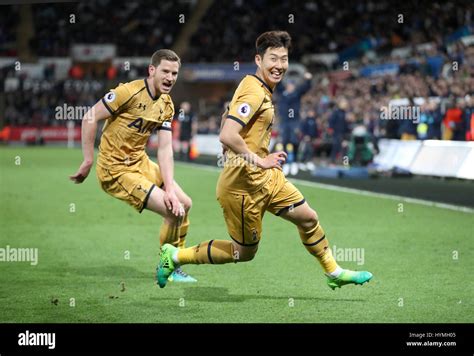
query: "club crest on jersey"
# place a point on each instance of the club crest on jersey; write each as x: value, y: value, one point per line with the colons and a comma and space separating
x: 109, y: 97
x: 244, y: 110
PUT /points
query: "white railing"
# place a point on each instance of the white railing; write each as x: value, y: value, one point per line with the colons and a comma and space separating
x: 431, y: 157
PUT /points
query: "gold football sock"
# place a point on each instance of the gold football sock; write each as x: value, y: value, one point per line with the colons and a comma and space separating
x: 213, y: 252
x: 316, y: 243
x: 169, y: 234
x: 183, y: 230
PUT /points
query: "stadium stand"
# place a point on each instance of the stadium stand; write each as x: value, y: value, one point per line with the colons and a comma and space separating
x: 389, y: 59
x: 317, y: 32
x: 134, y: 27
x: 8, y: 17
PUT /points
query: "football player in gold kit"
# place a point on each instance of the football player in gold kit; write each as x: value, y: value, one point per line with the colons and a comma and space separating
x: 252, y: 180
x: 134, y: 111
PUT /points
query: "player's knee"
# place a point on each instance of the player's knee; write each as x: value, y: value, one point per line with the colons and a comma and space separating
x: 309, y: 221
x: 187, y: 203
x: 247, y: 256
x: 244, y: 253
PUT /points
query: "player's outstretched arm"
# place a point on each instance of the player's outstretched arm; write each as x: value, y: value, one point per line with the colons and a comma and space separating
x: 166, y: 163
x: 231, y: 138
x: 89, y: 130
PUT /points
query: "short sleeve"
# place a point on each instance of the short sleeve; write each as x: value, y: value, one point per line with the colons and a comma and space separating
x: 168, y: 115
x: 116, y: 98
x: 245, y: 103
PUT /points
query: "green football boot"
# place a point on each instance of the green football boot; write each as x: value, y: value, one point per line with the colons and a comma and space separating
x: 166, y: 266
x: 349, y: 277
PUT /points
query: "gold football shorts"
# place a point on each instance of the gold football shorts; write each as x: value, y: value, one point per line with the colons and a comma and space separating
x: 133, y: 185
x: 243, y: 212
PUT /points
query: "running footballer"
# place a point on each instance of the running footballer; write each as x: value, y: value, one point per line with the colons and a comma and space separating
x: 247, y: 190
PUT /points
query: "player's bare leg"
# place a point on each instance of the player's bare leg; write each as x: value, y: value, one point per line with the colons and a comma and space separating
x: 171, y: 228
x: 187, y: 204
x: 244, y: 253
x: 314, y: 239
x: 169, y: 232
x: 178, y: 274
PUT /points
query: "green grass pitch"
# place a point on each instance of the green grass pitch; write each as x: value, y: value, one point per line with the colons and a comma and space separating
x: 103, y: 254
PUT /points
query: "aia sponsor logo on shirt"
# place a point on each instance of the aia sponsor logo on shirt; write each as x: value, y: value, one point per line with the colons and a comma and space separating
x: 143, y: 126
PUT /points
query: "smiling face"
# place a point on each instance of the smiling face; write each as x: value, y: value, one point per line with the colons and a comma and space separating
x: 273, y: 65
x: 164, y: 75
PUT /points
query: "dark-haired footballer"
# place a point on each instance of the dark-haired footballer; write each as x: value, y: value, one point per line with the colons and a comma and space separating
x: 252, y: 180
x: 134, y: 111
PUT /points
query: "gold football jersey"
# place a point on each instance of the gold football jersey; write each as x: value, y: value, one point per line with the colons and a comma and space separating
x: 252, y: 107
x: 134, y: 115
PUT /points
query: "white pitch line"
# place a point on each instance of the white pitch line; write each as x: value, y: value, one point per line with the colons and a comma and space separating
x: 337, y: 188
x: 385, y: 196
x: 204, y: 167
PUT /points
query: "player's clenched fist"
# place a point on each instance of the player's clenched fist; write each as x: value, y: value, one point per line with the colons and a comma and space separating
x: 273, y: 160
x: 82, y: 173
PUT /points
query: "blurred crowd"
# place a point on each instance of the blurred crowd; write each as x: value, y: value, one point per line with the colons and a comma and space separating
x: 326, y: 114
x: 134, y: 26
x: 8, y: 20
x: 323, y: 26
x: 37, y: 105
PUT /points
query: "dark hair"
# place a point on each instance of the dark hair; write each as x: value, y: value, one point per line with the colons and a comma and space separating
x: 165, y: 54
x: 272, y: 39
